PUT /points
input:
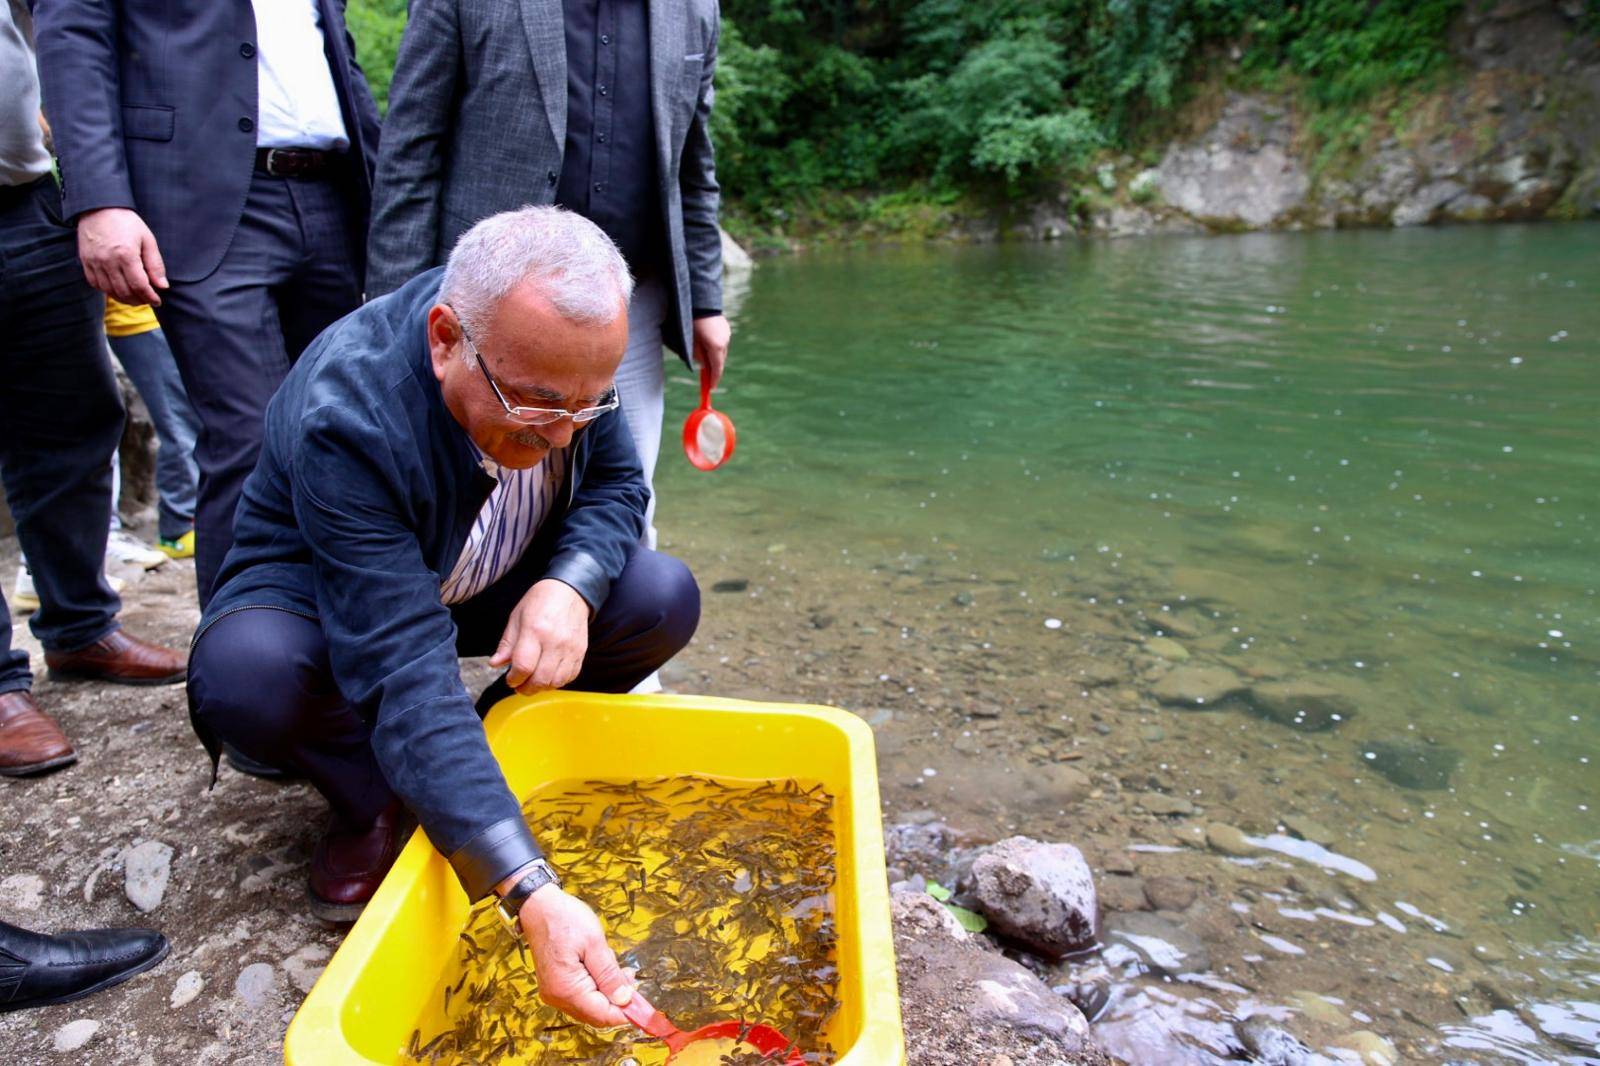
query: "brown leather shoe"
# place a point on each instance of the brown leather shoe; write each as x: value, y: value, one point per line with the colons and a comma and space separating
x: 120, y: 658
x: 30, y: 740
x: 348, y: 865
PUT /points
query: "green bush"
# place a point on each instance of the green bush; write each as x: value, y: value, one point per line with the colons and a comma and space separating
x: 376, y: 26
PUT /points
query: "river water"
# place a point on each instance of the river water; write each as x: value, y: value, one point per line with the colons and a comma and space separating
x: 1364, y: 461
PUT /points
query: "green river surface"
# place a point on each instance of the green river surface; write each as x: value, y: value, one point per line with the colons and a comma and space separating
x: 1375, y: 454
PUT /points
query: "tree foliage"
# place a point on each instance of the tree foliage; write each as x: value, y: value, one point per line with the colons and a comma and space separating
x: 815, y: 96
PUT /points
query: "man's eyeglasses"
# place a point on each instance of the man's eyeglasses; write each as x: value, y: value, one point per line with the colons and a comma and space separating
x: 540, y: 416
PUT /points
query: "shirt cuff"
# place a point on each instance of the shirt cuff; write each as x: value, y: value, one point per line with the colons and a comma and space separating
x: 706, y: 312
x: 493, y: 855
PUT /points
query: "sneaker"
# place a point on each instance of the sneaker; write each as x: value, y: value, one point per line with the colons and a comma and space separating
x: 24, y: 597
x: 182, y: 548
x: 123, y: 547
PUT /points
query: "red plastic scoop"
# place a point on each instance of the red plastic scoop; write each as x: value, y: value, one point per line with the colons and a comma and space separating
x: 764, y: 1038
x: 708, y: 436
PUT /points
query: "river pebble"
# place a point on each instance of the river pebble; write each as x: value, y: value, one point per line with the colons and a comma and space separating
x: 255, y: 985
x: 1228, y: 840
x: 186, y: 988
x: 146, y: 871
x: 74, y: 1035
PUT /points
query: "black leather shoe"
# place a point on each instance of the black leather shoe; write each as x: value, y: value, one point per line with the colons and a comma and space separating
x: 37, y: 970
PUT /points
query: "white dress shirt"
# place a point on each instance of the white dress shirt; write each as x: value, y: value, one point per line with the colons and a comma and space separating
x: 297, y: 104
x: 517, y: 506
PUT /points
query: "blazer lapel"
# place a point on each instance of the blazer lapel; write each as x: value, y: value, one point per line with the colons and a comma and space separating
x: 545, y: 25
x: 667, y: 19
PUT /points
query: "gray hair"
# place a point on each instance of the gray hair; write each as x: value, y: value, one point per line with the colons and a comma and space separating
x: 573, y: 262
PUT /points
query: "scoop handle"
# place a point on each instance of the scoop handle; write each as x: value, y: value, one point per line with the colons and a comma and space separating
x: 651, y: 1021
x: 705, y: 385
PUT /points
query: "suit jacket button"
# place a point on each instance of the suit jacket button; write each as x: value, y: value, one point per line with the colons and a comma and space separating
x: 245, y: 125
x: 247, y: 50
x: 553, y: 176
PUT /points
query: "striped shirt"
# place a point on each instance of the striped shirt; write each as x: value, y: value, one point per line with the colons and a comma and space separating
x: 517, y: 505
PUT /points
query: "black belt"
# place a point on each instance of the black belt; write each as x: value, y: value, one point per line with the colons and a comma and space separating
x: 294, y: 162
x: 11, y: 195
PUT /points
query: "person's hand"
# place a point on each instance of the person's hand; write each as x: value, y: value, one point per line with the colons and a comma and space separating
x: 578, y: 971
x: 120, y: 257
x: 711, y: 336
x: 546, y: 638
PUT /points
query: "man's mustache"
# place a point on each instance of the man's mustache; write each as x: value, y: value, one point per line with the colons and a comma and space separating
x: 529, y: 439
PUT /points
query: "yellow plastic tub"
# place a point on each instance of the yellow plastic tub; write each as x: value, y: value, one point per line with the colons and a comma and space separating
x: 365, y: 1005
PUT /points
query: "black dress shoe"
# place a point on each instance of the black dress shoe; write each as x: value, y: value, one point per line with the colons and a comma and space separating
x: 37, y: 970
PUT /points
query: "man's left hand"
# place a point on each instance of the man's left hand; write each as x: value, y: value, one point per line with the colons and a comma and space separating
x: 711, y: 336
x: 546, y: 638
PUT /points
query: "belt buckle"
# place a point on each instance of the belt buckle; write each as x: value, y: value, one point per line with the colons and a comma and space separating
x: 272, y: 162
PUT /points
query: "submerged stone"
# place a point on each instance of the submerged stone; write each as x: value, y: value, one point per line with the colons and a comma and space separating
x: 1271, y: 1045
x: 1163, y: 946
x: 1412, y: 763
x: 1198, y: 686
x: 1168, y: 649
x: 1309, y: 706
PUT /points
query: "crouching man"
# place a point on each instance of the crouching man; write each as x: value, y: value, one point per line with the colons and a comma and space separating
x: 445, y: 473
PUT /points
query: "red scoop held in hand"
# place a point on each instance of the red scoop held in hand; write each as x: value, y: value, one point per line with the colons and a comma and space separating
x: 708, y: 436
x: 764, y: 1038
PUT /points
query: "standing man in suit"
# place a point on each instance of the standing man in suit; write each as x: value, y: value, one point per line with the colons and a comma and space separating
x: 600, y: 106
x: 216, y: 158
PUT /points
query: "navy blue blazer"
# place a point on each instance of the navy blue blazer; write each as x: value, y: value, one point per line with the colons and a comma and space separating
x: 153, y: 107
x: 364, y: 495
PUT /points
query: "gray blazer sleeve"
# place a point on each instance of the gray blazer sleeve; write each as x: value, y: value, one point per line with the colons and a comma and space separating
x: 403, y: 240
x: 81, y: 85
x: 702, y: 198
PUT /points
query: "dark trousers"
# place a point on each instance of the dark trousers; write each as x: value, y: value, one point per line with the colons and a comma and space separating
x: 291, y: 271
x: 60, y: 420
x: 260, y: 680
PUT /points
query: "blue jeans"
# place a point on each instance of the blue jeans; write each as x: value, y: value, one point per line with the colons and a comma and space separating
x: 60, y: 420
x: 149, y: 363
x: 260, y: 679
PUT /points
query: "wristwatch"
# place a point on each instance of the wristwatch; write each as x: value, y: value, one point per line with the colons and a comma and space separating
x: 509, y: 905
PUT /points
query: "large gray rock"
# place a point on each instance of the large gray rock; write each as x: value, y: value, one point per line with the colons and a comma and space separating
x: 1041, y: 895
x: 965, y: 1003
x: 1241, y: 173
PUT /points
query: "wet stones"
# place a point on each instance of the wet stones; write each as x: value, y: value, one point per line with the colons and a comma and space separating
x: 1198, y: 686
x: 1411, y: 763
x: 1170, y: 893
x: 1228, y: 840
x: 1168, y: 649
x: 1119, y: 892
x: 1373, y: 1049
x: 1162, y: 804
x: 145, y: 873
x: 1041, y: 895
x: 1271, y: 1045
x: 1163, y: 946
x: 1308, y: 706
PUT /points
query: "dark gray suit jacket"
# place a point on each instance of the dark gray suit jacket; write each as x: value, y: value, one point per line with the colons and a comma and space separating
x: 478, y: 120
x: 153, y: 107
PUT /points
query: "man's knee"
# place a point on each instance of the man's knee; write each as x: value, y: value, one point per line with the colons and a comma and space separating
x: 251, y: 674
x: 662, y: 591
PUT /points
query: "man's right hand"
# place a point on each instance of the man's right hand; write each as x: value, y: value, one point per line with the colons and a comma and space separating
x: 120, y: 257
x: 578, y: 971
